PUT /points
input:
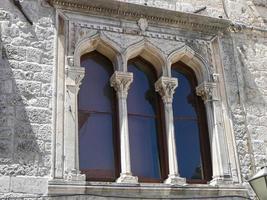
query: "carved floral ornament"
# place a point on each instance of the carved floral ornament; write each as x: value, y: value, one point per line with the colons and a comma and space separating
x: 74, y: 76
x: 121, y: 82
x: 166, y: 88
x: 207, y: 91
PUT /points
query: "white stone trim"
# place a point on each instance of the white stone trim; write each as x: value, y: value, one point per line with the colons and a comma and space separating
x: 74, y: 76
x: 208, y: 91
x: 121, y: 82
x: 166, y: 87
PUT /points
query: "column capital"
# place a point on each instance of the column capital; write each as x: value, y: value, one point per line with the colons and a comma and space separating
x: 74, y: 76
x: 166, y: 87
x: 121, y: 82
x: 207, y: 91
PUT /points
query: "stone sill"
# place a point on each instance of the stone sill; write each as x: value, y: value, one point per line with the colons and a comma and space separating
x: 146, y: 190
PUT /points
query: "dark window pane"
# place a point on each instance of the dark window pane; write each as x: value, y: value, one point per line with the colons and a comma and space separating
x: 96, y: 119
x: 144, y: 148
x: 188, y: 149
x: 95, y: 91
x: 96, y: 143
x: 192, y: 142
x: 183, y: 96
x: 143, y: 127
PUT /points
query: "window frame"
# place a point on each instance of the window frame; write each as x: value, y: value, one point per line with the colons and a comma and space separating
x: 115, y: 131
x: 202, y: 122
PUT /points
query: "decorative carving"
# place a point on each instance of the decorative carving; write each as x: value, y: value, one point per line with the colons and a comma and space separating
x: 166, y: 87
x: 198, y: 23
x: 74, y: 77
x: 143, y: 24
x: 121, y: 82
x: 70, y: 61
x: 123, y: 40
x: 207, y: 91
x: 166, y: 46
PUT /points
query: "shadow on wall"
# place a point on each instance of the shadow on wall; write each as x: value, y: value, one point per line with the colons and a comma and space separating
x: 25, y: 94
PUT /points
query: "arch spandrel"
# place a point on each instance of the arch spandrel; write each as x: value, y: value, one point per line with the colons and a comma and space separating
x: 103, y: 45
x: 193, y: 60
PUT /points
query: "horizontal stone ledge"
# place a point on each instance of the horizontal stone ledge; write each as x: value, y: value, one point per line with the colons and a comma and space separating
x: 155, y: 15
x: 148, y: 190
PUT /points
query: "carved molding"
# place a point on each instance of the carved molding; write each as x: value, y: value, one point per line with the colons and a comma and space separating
x: 207, y: 91
x: 166, y: 88
x: 74, y: 77
x: 121, y: 82
x: 135, y: 12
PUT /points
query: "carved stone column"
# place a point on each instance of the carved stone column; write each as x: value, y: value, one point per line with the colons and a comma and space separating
x: 166, y: 86
x: 74, y: 75
x: 121, y: 82
x: 220, y: 159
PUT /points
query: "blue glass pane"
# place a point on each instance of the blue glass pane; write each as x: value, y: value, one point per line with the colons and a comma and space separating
x: 144, y: 148
x: 96, y: 118
x: 92, y: 134
x: 141, y: 97
x: 95, y: 91
x: 183, y: 96
x: 188, y: 149
x: 142, y: 123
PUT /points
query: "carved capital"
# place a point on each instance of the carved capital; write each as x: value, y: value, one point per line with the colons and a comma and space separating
x: 74, y: 77
x: 166, y: 88
x: 207, y: 91
x: 121, y: 82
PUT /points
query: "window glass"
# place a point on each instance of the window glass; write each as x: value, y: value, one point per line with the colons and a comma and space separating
x: 187, y: 123
x: 143, y: 116
x: 96, y: 119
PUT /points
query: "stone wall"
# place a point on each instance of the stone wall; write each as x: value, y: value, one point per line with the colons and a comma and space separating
x: 26, y: 74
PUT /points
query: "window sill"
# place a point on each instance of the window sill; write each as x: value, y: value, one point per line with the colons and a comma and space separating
x: 145, y: 190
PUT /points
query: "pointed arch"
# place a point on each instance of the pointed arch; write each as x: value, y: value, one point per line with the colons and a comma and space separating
x: 193, y: 59
x: 150, y: 53
x: 100, y: 43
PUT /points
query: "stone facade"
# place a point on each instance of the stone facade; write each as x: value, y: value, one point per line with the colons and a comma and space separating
x: 225, y: 43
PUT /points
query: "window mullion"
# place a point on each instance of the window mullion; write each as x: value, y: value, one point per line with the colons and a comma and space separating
x: 166, y: 86
x: 121, y: 82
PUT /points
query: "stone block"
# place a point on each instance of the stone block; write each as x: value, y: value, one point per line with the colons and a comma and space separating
x: 15, y: 53
x: 33, y: 115
x: 33, y: 67
x: 34, y: 55
x: 6, y: 86
x: 30, y: 185
x: 4, y: 184
x: 28, y: 89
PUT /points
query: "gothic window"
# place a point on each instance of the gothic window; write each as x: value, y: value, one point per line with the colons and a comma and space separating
x: 145, y: 124
x: 191, y: 134
x: 98, y: 155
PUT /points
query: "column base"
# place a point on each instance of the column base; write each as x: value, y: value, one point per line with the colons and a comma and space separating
x: 221, y: 181
x: 127, y: 178
x: 175, y: 180
x: 75, y: 176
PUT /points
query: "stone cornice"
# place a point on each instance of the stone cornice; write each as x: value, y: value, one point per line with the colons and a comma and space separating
x: 157, y: 16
